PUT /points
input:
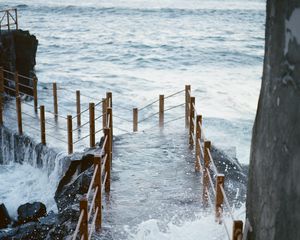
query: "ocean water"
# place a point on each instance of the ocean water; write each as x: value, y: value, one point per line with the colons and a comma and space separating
x: 139, y: 49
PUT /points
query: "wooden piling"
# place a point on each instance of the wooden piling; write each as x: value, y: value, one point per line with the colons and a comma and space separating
x: 84, y: 227
x: 198, y: 140
x: 55, y: 104
x: 70, y: 134
x: 98, y: 183
x: 92, y: 124
x: 43, y: 125
x: 237, y: 230
x: 78, y: 107
x: 104, y: 117
x: 219, y: 197
x: 1, y: 94
x: 135, y: 119
x: 207, y: 145
x: 108, y: 160
x: 187, y: 104
x: 110, y: 126
x: 161, y: 110
x: 17, y: 84
x: 192, y: 120
x: 35, y: 94
x: 19, y: 114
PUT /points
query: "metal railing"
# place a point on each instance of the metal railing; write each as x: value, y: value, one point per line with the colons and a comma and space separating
x: 9, y: 19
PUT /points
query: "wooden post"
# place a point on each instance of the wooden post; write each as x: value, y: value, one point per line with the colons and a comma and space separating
x: 192, y: 122
x: 135, y: 119
x: 198, y: 140
x: 237, y: 230
x: 110, y: 126
x: 70, y: 134
x: 104, y: 117
x: 78, y: 108
x: 7, y: 16
x: 187, y: 104
x: 17, y: 84
x: 55, y: 105
x: 43, y: 125
x: 35, y: 94
x: 219, y: 196
x: 92, y: 124
x: 16, y: 15
x: 98, y: 200
x: 19, y: 114
x: 108, y: 160
x: 109, y: 105
x: 1, y: 94
x: 207, y: 145
x: 161, y: 110
x: 84, y: 227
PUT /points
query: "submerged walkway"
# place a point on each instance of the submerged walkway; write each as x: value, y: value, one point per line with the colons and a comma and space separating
x: 153, y: 177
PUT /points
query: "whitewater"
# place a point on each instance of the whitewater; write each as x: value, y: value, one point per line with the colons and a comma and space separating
x: 139, y: 49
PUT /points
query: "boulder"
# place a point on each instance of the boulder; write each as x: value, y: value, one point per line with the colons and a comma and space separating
x: 31, y: 212
x: 5, y: 219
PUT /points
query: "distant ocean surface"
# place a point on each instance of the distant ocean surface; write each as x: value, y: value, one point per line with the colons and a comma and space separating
x: 139, y: 49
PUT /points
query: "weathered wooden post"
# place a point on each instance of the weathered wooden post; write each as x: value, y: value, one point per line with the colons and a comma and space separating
x: 35, y: 94
x: 161, y: 110
x: 92, y: 124
x: 198, y: 140
x: 110, y: 126
x: 192, y: 120
x: 187, y: 104
x: 135, y: 119
x: 55, y: 104
x: 78, y: 107
x: 207, y: 145
x: 219, y: 196
x: 43, y: 125
x: 104, y: 117
x: 108, y: 160
x: 1, y: 94
x: 19, y: 114
x: 17, y: 84
x: 109, y: 105
x: 98, y: 183
x: 237, y: 230
x: 84, y: 227
x: 70, y: 134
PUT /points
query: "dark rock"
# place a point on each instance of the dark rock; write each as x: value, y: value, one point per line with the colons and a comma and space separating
x: 5, y: 219
x: 273, y: 199
x: 31, y: 212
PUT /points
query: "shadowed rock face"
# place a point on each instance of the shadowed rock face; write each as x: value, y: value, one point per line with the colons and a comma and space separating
x: 273, y: 201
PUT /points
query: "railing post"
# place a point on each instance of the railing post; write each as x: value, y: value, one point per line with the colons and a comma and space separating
x: 207, y: 145
x: 104, y: 117
x: 109, y: 105
x: 70, y: 134
x: 84, y: 227
x: 78, y: 107
x: 108, y: 160
x: 219, y: 196
x: 198, y: 140
x: 43, y: 125
x: 192, y: 122
x: 135, y: 119
x: 35, y: 94
x: 16, y: 16
x: 8, y: 24
x: 110, y: 126
x: 19, y: 114
x: 92, y: 124
x: 187, y: 104
x: 17, y: 83
x: 55, y: 104
x: 161, y: 110
x: 98, y: 183
x: 237, y: 230
x: 1, y: 95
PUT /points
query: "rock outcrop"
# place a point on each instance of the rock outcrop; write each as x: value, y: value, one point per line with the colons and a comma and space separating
x: 31, y: 212
x: 273, y: 199
x: 5, y: 219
